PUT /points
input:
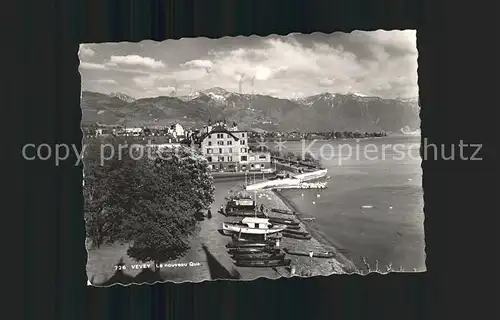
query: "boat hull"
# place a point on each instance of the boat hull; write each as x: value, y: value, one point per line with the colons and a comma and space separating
x: 298, y: 232
x: 283, y: 221
x: 259, y: 256
x: 282, y: 211
x: 236, y: 251
x: 236, y: 245
x: 298, y: 236
x: 237, y: 229
x: 263, y: 263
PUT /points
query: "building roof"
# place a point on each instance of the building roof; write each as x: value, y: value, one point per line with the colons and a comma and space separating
x: 219, y: 129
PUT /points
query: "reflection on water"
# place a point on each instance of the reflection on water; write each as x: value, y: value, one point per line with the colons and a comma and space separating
x: 373, y: 206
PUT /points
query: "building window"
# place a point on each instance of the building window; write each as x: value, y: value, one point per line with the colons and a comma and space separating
x: 220, y: 135
x: 229, y: 158
x: 209, y: 151
x: 230, y: 150
x: 220, y: 150
x: 242, y: 142
x: 262, y: 157
x: 209, y: 159
x: 252, y: 158
x: 251, y: 165
x: 243, y: 135
x: 221, y: 158
x: 262, y: 165
x: 209, y: 143
x: 243, y: 158
x: 243, y: 150
x: 220, y: 143
x: 229, y: 142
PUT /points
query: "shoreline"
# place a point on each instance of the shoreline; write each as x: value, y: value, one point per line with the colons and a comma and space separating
x: 340, y: 257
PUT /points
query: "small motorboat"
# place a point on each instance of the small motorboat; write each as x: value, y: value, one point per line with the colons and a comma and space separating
x: 263, y: 263
x: 292, y: 227
x: 298, y: 236
x: 326, y: 254
x: 254, y: 250
x: 252, y: 226
x: 282, y: 211
x: 259, y: 256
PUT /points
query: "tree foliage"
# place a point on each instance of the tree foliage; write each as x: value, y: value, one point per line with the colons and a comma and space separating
x: 150, y: 203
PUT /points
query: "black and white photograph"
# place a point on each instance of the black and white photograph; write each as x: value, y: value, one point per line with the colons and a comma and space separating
x: 239, y: 158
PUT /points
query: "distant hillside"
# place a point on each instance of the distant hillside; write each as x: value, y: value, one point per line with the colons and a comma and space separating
x: 324, y: 112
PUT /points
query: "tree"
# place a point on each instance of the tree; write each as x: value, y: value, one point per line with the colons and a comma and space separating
x: 101, y: 214
x: 150, y: 203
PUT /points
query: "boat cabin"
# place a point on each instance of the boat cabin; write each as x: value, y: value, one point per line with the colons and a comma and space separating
x: 259, y: 223
x: 245, y: 204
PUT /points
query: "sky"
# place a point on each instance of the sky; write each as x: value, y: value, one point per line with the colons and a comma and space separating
x: 375, y: 63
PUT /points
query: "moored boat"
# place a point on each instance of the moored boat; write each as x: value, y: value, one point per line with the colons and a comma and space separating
x: 235, y: 245
x: 283, y: 211
x: 326, y: 254
x: 252, y: 226
x: 298, y: 232
x: 291, y: 222
x: 292, y: 227
x: 298, y: 236
x: 263, y: 263
x: 253, y: 250
x: 259, y: 256
x: 256, y: 238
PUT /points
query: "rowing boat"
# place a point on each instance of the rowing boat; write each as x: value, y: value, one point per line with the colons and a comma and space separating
x: 236, y: 245
x: 263, y: 263
x: 289, y: 231
x: 298, y: 236
x: 326, y: 254
x: 284, y: 221
x: 253, y: 250
x: 259, y: 256
x: 282, y: 211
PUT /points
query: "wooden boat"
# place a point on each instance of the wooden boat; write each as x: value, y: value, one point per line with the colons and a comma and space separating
x: 253, y: 226
x: 299, y: 232
x: 292, y: 228
x: 282, y: 211
x: 263, y: 263
x: 290, y: 222
x: 235, y: 245
x: 259, y: 256
x: 245, y: 214
x: 256, y: 238
x: 298, y: 236
x: 253, y: 250
x: 326, y: 254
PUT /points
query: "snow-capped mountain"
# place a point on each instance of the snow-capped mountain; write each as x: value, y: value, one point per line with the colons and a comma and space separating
x: 122, y: 96
x: 322, y: 112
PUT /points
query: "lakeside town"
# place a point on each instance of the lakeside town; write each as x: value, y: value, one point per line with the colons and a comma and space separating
x: 251, y: 232
x: 222, y: 199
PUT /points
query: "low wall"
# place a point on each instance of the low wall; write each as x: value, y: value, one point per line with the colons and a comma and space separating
x: 289, y: 182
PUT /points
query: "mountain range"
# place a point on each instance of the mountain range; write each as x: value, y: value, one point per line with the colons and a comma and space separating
x: 322, y: 112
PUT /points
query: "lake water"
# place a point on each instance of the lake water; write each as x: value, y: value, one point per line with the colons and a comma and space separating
x: 389, y: 228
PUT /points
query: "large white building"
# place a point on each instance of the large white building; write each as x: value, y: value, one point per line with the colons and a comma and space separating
x: 226, y: 149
